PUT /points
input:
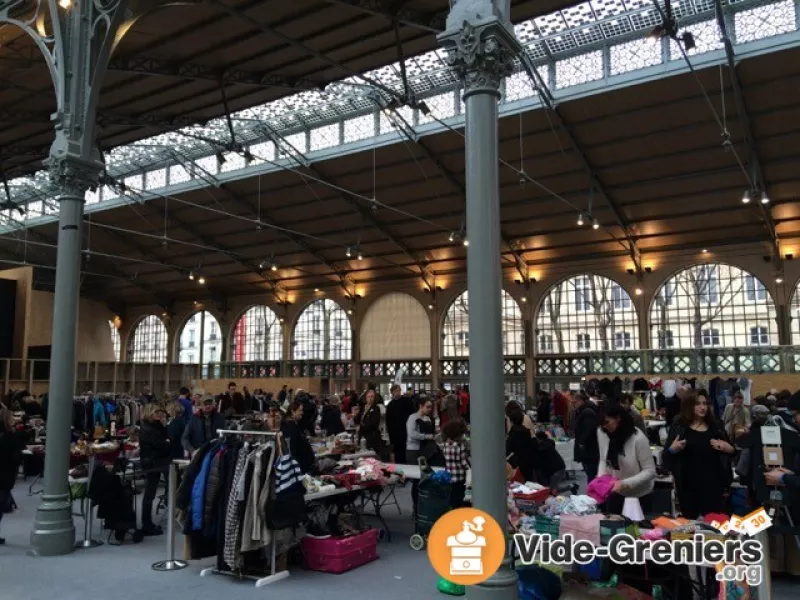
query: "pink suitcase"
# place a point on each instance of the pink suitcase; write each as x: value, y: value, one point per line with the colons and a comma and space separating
x: 339, y: 555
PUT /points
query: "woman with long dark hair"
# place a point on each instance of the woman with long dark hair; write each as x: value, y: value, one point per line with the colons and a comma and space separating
x: 698, y: 454
x: 625, y: 454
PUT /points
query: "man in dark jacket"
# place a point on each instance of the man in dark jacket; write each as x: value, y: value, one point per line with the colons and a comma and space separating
x: 231, y: 402
x: 587, y: 451
x: 398, y: 411
x: 203, y: 426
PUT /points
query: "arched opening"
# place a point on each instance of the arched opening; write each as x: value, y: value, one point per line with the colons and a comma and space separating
x: 455, y: 328
x: 148, y: 341
x: 586, y: 313
x: 395, y: 326
x: 322, y: 332
x: 257, y: 336
x: 200, y: 341
x: 712, y: 305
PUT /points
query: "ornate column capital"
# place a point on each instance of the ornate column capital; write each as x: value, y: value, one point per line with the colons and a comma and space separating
x: 72, y: 176
x: 481, y: 53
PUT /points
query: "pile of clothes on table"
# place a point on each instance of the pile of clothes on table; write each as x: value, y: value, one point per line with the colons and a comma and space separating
x: 364, y: 472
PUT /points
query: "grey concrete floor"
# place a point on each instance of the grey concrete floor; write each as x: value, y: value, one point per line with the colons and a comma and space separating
x: 399, y: 574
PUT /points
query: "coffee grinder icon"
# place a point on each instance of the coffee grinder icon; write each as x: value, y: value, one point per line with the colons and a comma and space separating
x: 466, y: 548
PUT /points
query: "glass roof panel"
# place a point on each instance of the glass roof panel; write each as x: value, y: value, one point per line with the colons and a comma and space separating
x: 569, y: 37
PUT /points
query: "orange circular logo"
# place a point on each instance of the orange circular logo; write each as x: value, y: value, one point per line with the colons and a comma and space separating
x: 466, y: 546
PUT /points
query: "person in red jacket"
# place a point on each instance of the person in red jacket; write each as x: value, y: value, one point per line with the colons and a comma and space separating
x: 463, y: 407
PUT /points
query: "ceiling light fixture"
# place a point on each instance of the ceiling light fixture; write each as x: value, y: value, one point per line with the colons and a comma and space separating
x: 316, y: 290
x: 746, y: 197
x: 466, y: 242
x: 191, y: 275
x: 347, y: 252
x: 452, y: 237
x: 524, y: 299
x: 779, y: 279
x: 580, y: 220
x: 201, y: 280
x: 349, y: 311
x: 274, y: 267
x: 360, y: 256
x: 638, y: 291
x: 595, y: 224
x: 764, y: 198
x: 705, y: 250
x: 65, y: 3
x: 430, y: 306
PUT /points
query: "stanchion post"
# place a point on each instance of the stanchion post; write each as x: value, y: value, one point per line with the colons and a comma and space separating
x: 171, y: 564
x: 87, y: 541
x: 765, y: 588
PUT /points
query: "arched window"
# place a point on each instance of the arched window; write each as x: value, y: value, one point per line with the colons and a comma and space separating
x: 149, y: 341
x: 201, y: 340
x: 712, y: 305
x: 322, y: 332
x: 258, y: 335
x: 455, y: 330
x: 115, y: 341
x: 794, y: 314
x: 396, y: 326
x: 586, y: 313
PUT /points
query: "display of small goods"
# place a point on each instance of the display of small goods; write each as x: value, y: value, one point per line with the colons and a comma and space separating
x: 343, y: 443
x: 84, y: 447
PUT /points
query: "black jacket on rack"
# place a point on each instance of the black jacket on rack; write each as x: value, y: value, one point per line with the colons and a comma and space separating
x: 298, y: 444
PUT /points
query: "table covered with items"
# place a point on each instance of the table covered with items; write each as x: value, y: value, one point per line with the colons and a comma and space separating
x: 534, y: 510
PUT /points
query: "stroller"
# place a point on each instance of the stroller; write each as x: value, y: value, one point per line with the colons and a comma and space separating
x: 433, y: 502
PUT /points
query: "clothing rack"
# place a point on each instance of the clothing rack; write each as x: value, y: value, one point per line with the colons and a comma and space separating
x: 273, y: 577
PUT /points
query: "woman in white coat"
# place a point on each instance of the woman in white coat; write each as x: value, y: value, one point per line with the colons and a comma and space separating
x: 625, y: 454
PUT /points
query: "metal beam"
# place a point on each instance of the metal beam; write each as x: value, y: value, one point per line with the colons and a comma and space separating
x: 106, y: 119
x: 107, y: 267
x: 596, y: 184
x: 159, y: 67
x: 165, y: 68
x: 427, y: 276
x: 321, y: 56
x: 519, y: 261
x: 211, y: 242
x: 747, y: 129
x: 343, y: 278
x: 430, y: 22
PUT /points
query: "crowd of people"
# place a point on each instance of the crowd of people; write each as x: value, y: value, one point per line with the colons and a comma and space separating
x: 704, y: 442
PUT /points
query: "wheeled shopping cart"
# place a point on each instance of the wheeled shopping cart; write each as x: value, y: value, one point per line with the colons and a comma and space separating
x: 433, y: 501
